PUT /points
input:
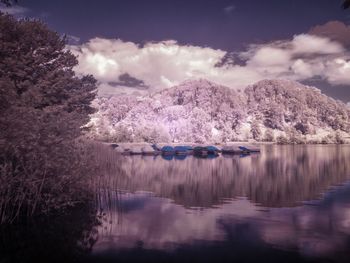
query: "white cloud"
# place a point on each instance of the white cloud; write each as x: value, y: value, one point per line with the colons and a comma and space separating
x: 305, y: 70
x: 270, y: 56
x: 338, y: 71
x: 308, y: 44
x: 163, y: 64
x: 159, y: 64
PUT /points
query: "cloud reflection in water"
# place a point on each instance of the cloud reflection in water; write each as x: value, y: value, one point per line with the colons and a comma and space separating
x: 283, y: 198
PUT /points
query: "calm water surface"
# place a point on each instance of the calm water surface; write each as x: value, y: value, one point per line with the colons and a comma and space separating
x: 286, y: 204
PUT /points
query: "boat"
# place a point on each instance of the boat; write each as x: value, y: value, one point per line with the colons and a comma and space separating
x: 181, y: 150
x: 122, y: 150
x: 189, y: 149
x: 200, y: 151
x: 135, y: 150
x: 149, y: 150
x: 167, y: 150
x: 114, y: 145
x: 212, y: 150
x: 250, y: 149
x: 230, y: 150
x: 155, y: 147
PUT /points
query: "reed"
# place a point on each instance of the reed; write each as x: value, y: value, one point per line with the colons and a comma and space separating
x: 40, y: 183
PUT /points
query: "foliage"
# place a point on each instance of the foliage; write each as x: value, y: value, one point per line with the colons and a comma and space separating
x: 43, y: 107
x: 255, y: 131
x: 193, y: 111
x: 201, y: 111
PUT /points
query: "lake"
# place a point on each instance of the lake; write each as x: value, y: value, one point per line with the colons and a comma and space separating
x: 286, y: 204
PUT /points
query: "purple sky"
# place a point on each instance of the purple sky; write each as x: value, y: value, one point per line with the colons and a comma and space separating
x: 228, y: 25
x: 224, y: 24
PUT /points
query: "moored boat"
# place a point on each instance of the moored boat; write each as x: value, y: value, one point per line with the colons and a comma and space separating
x: 212, y: 149
x: 181, y: 150
x: 167, y: 150
x: 249, y: 149
x: 200, y: 151
x: 230, y: 150
x: 149, y: 150
x: 114, y: 145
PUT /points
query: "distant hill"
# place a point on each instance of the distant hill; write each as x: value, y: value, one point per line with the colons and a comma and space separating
x: 200, y: 111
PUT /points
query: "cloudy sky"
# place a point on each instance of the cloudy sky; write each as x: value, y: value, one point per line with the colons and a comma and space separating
x: 138, y: 45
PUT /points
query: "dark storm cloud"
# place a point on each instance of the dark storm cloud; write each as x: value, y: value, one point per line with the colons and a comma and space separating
x: 334, y: 30
x: 129, y: 81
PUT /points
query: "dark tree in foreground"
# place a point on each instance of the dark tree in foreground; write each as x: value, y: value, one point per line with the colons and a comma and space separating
x: 346, y: 4
x: 43, y: 106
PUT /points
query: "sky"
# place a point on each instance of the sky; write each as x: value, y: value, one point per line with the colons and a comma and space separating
x: 145, y: 45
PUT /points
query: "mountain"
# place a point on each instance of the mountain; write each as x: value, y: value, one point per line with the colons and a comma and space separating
x: 200, y: 111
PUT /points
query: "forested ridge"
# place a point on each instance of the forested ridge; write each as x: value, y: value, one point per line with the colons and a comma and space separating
x: 200, y: 111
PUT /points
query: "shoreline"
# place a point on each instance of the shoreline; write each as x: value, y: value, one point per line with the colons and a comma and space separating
x: 240, y: 143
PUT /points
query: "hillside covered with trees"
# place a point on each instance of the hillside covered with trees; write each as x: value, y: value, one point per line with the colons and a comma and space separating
x: 200, y: 111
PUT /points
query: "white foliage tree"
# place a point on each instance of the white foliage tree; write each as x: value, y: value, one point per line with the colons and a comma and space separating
x: 201, y: 111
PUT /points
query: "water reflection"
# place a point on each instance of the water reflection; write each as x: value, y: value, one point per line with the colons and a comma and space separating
x: 278, y: 177
x: 64, y: 237
x: 281, y: 200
